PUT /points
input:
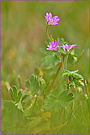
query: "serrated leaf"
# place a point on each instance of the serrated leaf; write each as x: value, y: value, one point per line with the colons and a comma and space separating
x: 19, y: 105
x: 28, y: 111
x: 13, y: 112
x: 50, y: 60
x: 63, y: 94
x: 34, y: 81
x: 51, y: 98
x: 45, y: 115
x: 69, y: 97
x: 13, y: 93
x: 56, y: 104
x: 27, y: 83
x: 32, y: 84
x: 73, y: 74
x: 19, y: 96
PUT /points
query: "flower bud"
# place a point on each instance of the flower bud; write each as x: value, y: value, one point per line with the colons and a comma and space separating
x: 37, y: 70
x: 42, y: 81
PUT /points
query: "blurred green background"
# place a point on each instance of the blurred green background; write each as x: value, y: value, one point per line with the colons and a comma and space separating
x: 23, y: 34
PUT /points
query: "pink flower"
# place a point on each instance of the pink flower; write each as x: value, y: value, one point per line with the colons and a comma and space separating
x: 53, y: 46
x: 67, y: 48
x: 51, y: 20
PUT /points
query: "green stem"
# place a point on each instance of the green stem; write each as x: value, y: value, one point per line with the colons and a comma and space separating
x: 61, y: 65
x: 67, y: 81
x: 47, y: 34
x: 61, y: 61
x: 66, y: 63
x: 55, y: 76
x: 43, y: 92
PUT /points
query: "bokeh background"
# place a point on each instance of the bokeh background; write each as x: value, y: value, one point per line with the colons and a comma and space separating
x: 23, y: 34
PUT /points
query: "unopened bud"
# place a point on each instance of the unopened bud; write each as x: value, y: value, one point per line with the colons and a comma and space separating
x: 42, y: 81
x: 37, y: 70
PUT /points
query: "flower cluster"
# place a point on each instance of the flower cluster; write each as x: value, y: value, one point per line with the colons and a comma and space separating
x: 54, y: 44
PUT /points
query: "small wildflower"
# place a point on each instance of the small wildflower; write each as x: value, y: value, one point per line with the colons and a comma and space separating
x: 53, y: 46
x: 51, y: 20
x: 67, y: 48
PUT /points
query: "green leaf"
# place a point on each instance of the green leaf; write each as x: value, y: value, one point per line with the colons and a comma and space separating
x: 19, y: 95
x: 27, y: 83
x: 15, y: 90
x: 73, y: 74
x: 63, y: 94
x: 19, y: 105
x: 52, y: 103
x: 38, y: 105
x: 72, y: 57
x: 13, y: 112
x: 50, y: 60
x: 28, y: 111
x: 45, y: 51
x: 37, y: 125
x: 32, y: 84
x: 49, y: 102
x: 61, y: 41
x: 13, y: 93
x: 62, y: 52
x: 69, y: 97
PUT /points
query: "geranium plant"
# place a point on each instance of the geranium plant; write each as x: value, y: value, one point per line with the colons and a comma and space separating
x: 39, y: 108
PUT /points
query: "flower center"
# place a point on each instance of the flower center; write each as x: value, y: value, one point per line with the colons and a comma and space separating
x: 51, y: 20
x: 54, y: 46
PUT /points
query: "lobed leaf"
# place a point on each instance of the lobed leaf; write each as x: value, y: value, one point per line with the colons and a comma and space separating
x: 63, y: 100
x: 32, y: 84
x: 13, y: 93
x: 50, y: 60
x: 73, y: 74
x: 13, y: 112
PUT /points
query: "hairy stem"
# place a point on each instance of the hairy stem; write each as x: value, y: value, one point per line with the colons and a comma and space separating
x: 47, y: 34
x: 55, y: 76
x: 61, y: 61
x: 66, y: 63
x: 67, y: 81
